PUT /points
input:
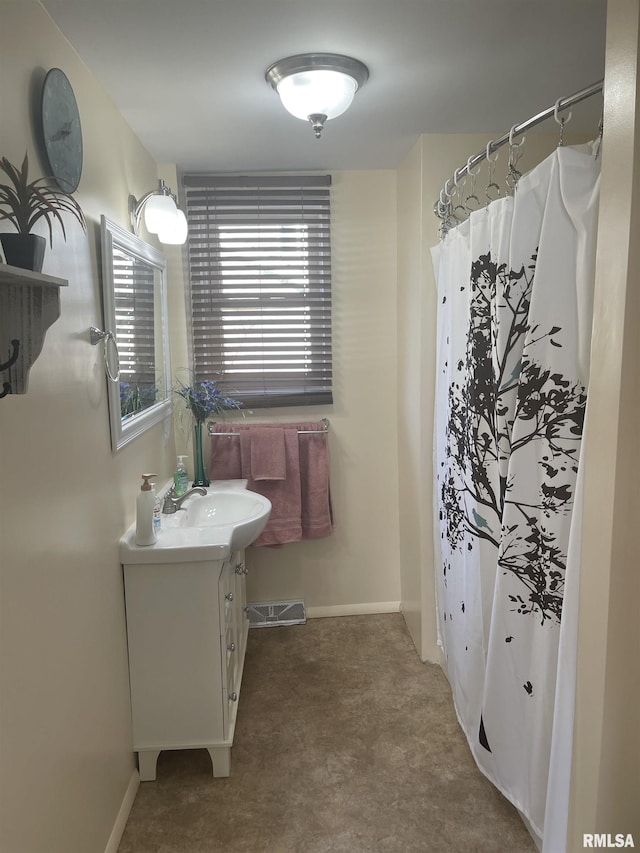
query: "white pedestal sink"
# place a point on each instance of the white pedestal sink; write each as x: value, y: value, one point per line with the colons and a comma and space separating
x: 206, y: 527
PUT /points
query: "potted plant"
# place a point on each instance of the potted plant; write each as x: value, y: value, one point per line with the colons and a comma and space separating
x: 23, y: 204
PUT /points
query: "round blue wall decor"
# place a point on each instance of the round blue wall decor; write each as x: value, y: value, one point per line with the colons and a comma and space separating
x: 61, y: 130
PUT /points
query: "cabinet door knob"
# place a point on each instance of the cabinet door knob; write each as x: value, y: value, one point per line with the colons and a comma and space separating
x: 231, y: 647
x: 233, y: 696
x: 229, y: 596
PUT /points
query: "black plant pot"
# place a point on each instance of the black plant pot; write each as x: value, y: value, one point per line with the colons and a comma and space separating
x: 24, y: 250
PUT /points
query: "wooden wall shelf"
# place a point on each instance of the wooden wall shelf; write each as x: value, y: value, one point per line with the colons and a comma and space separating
x: 29, y: 304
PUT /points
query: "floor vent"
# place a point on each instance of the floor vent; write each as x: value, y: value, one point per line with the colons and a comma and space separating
x: 266, y: 614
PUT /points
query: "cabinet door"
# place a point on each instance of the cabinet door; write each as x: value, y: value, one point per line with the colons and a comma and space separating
x: 174, y: 654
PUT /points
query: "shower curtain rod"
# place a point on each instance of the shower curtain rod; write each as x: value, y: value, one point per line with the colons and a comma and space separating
x: 559, y: 106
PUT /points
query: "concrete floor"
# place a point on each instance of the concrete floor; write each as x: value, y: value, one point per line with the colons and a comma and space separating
x: 345, y: 742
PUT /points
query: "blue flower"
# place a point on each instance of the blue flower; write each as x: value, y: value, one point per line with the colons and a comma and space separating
x: 204, y: 399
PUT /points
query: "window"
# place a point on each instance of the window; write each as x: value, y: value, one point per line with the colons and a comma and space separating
x: 260, y: 281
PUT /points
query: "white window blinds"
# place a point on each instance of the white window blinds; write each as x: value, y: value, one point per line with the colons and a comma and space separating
x: 260, y: 279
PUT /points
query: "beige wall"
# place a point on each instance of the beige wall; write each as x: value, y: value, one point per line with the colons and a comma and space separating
x: 414, y: 514
x: 356, y: 569
x: 351, y: 571
x: 65, y: 735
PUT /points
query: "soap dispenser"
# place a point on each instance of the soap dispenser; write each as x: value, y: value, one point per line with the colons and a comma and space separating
x: 181, y: 478
x: 145, y: 502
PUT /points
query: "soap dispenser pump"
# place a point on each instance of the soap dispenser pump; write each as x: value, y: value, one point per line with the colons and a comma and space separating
x: 181, y: 478
x: 145, y: 502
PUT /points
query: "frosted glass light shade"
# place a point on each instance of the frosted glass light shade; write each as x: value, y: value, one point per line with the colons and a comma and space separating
x: 317, y: 86
x: 317, y: 91
x: 160, y: 214
x: 175, y: 235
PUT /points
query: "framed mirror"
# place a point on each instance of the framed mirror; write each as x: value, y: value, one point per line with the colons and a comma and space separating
x: 135, y: 311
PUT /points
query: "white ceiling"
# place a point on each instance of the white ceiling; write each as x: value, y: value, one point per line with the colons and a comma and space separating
x: 188, y: 75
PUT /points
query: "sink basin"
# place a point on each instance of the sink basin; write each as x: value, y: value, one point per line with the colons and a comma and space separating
x: 207, y: 527
x: 224, y: 507
x: 247, y: 512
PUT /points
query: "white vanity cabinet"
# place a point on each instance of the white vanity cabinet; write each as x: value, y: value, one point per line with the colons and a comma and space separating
x: 187, y: 634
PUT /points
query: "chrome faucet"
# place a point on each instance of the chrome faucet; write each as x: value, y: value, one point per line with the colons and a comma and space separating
x: 172, y: 504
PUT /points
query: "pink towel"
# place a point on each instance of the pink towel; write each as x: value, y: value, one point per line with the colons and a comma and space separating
x: 317, y: 515
x: 301, y: 503
x: 268, y: 460
x: 285, y: 521
x: 225, y: 463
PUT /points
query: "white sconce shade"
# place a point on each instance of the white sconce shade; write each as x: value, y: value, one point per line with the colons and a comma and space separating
x: 162, y: 216
x: 160, y: 213
x: 317, y: 86
x: 175, y: 235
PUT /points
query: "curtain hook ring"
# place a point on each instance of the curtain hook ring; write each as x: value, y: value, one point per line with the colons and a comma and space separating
x: 471, y: 173
x: 513, y: 144
x: 556, y: 110
x: 492, y: 185
x: 561, y: 121
x: 444, y: 205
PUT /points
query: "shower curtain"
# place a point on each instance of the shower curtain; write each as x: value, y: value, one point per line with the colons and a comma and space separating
x: 515, y: 285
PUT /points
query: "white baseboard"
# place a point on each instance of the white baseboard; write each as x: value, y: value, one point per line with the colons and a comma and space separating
x: 353, y: 609
x: 123, y: 814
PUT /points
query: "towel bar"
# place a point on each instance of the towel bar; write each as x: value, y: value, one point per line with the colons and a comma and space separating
x: 325, y: 421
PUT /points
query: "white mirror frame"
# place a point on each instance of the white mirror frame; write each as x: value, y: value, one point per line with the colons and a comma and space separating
x: 112, y: 235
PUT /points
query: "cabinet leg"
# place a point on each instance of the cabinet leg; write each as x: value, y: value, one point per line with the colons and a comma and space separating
x: 220, y: 759
x: 147, y: 760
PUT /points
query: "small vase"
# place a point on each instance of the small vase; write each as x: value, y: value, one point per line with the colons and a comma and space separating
x: 200, y: 476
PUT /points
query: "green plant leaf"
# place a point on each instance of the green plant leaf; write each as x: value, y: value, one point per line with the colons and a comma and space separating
x: 26, y: 203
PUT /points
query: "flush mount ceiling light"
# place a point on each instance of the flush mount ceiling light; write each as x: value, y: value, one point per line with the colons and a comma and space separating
x: 162, y: 216
x: 317, y: 86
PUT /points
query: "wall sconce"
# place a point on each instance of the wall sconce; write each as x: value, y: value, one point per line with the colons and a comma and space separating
x: 162, y: 216
x: 317, y: 86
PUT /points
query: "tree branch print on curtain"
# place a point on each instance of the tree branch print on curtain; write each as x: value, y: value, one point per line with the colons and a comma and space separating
x: 497, y: 383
